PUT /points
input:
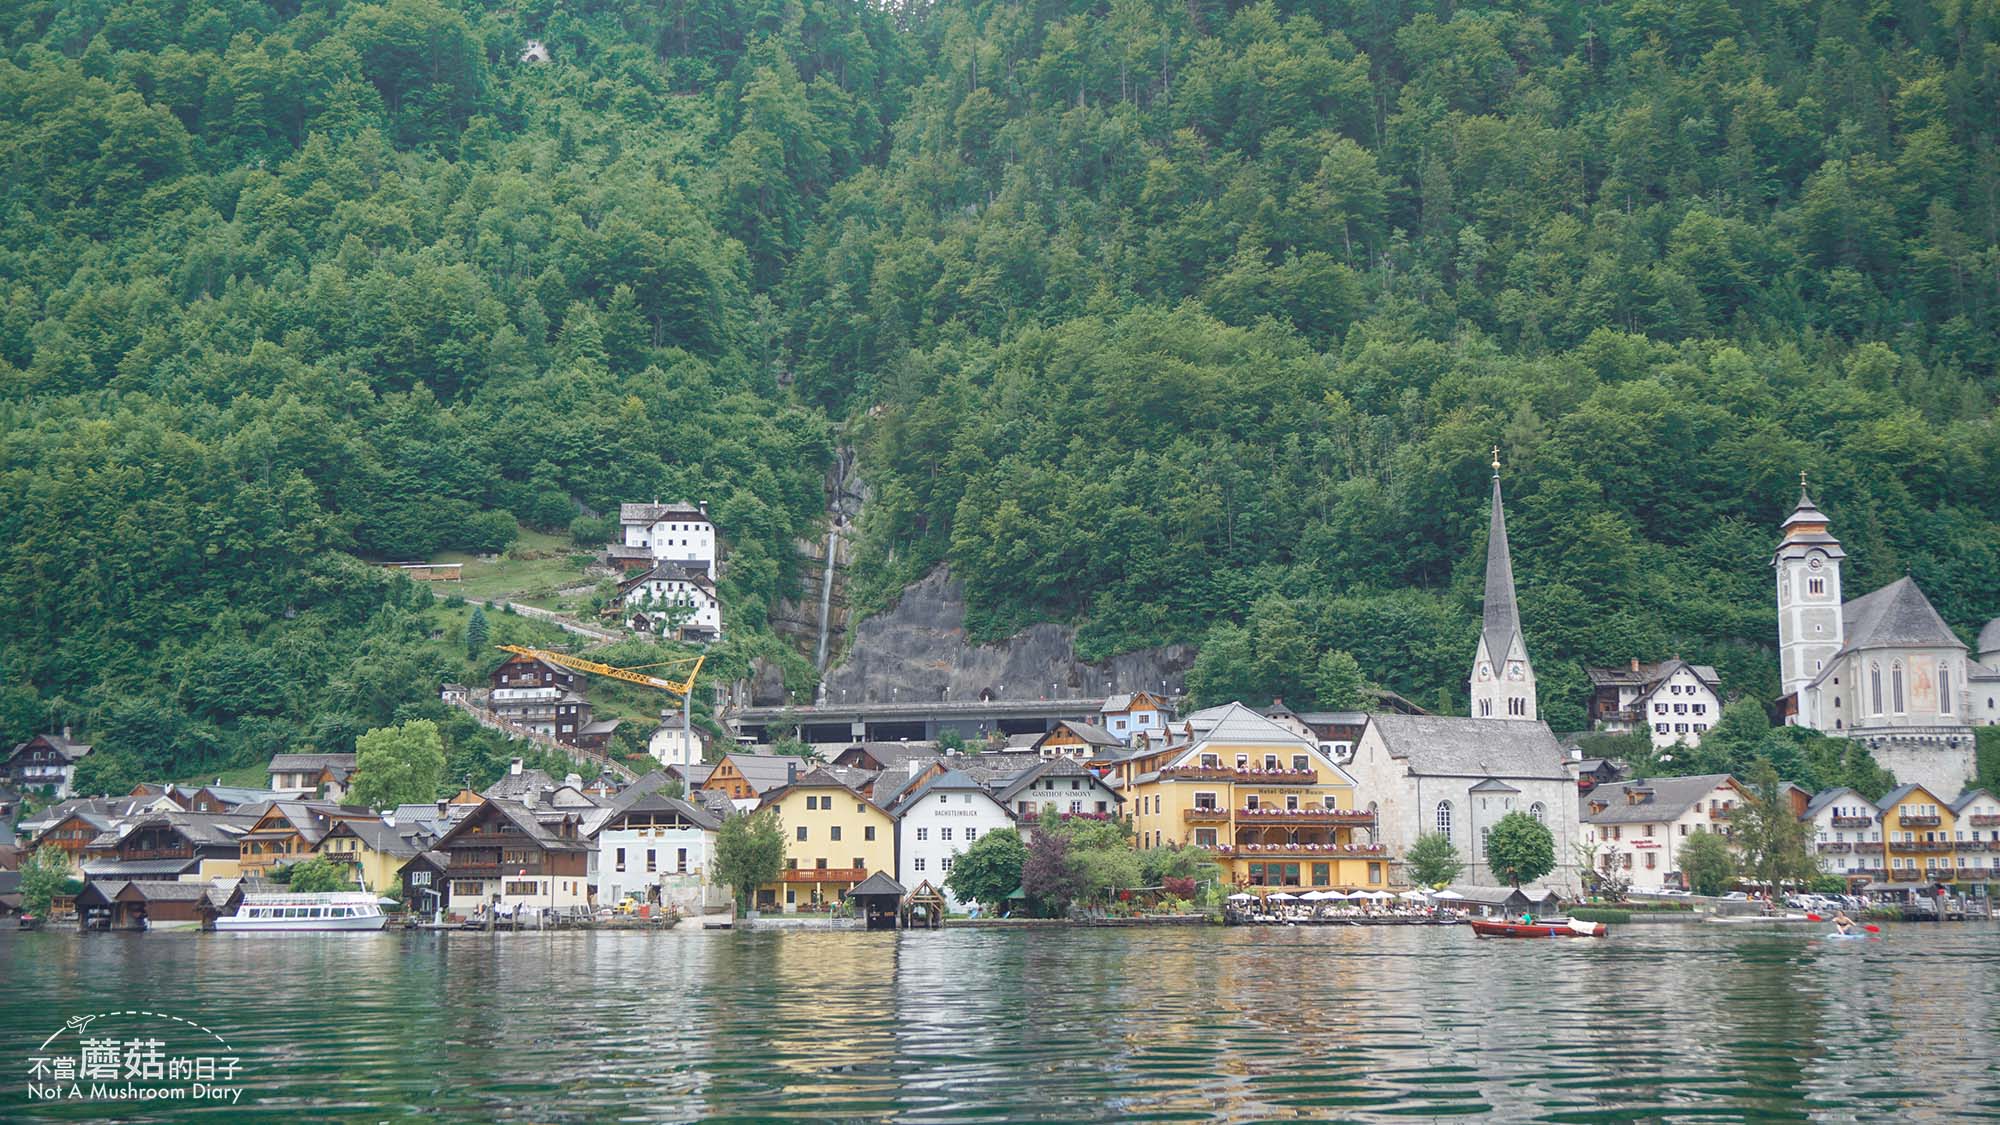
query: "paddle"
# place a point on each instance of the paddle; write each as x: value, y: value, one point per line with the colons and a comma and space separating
x: 1869, y: 926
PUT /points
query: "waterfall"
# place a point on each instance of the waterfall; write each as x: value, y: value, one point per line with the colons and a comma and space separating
x: 826, y: 593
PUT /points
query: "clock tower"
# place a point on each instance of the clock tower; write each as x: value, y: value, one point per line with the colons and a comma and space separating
x: 1810, y: 627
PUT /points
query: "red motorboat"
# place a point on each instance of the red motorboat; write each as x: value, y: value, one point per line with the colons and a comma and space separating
x: 1556, y: 928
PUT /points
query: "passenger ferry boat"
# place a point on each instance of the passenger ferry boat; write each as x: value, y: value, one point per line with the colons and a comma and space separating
x: 341, y: 910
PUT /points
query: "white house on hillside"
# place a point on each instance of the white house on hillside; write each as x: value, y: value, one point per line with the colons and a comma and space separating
x: 678, y: 532
x: 1672, y: 701
x: 671, y: 592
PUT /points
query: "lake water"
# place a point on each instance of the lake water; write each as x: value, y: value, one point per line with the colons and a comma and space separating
x: 1694, y: 1022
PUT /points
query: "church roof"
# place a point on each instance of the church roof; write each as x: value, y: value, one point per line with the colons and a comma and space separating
x: 1896, y: 614
x: 1447, y: 746
x: 1502, y: 616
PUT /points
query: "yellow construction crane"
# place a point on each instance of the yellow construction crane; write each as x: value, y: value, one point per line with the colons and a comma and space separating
x: 683, y: 687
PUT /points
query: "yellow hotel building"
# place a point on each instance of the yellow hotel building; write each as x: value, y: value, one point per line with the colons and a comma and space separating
x: 834, y: 838
x: 1917, y: 828
x: 1275, y: 810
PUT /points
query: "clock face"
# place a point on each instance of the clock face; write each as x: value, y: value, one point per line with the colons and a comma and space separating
x: 1514, y: 670
x: 1815, y: 562
x: 1485, y: 671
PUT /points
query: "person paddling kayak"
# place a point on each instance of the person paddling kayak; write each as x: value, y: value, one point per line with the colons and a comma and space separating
x: 1842, y: 923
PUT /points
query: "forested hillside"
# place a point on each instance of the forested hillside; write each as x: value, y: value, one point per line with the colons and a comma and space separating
x: 1179, y: 321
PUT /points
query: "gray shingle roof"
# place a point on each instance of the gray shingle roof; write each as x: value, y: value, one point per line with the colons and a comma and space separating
x: 378, y: 836
x: 1966, y: 798
x: 878, y: 884
x: 311, y: 761
x: 1090, y: 733
x: 1671, y: 797
x: 660, y: 802
x: 766, y: 771
x: 1501, y: 617
x: 1897, y: 614
x: 1447, y: 746
x: 1989, y: 637
x: 653, y: 513
x: 1825, y: 797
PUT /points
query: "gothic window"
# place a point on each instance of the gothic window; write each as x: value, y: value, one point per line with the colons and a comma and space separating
x: 1815, y: 586
x: 1875, y: 685
x: 1538, y: 812
x: 1896, y: 686
x: 1444, y: 817
x: 1944, y: 691
x: 1485, y: 708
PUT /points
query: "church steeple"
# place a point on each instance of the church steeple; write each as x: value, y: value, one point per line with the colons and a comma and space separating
x: 1502, y: 685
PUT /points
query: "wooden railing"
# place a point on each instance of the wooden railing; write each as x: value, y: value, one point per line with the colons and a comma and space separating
x: 823, y: 874
x: 1263, y: 815
x: 1205, y: 816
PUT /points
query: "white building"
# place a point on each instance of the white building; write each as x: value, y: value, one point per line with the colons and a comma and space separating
x: 1983, y: 678
x: 1643, y: 823
x: 1883, y: 668
x: 680, y: 594
x: 936, y: 822
x: 675, y: 743
x: 1061, y: 783
x: 1673, y: 701
x: 659, y: 850
x: 678, y: 533
x: 1976, y: 835
x: 1847, y: 833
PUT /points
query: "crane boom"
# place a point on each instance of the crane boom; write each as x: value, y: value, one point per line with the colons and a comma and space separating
x: 682, y: 688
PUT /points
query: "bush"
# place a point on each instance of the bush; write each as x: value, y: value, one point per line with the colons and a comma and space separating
x: 1599, y: 914
x: 588, y: 531
x: 489, y: 533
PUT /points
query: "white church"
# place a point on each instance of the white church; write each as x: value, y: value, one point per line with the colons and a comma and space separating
x: 1882, y: 668
x: 1440, y: 773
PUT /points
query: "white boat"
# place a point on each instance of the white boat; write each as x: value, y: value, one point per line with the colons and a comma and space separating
x: 341, y: 910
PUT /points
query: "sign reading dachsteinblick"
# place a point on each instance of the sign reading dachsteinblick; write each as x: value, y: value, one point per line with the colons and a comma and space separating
x: 134, y: 1056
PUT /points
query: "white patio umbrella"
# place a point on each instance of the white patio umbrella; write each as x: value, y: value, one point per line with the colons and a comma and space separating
x: 1281, y: 896
x: 1320, y: 896
x: 1414, y: 896
x: 1242, y: 896
x: 1336, y: 896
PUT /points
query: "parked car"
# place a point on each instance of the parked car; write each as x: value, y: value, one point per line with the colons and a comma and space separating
x: 1736, y: 896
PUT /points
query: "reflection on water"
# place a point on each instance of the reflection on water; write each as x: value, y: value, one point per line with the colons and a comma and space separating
x: 1184, y: 1024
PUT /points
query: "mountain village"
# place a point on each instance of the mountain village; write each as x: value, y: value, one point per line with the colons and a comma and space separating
x: 1283, y: 803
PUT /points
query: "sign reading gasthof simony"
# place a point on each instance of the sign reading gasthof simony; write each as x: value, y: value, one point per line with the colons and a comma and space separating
x: 134, y: 1056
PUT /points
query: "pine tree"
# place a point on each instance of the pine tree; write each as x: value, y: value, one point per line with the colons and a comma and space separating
x: 476, y: 632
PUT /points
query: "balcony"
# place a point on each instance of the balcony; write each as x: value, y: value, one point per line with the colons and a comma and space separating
x: 1246, y: 776
x: 1984, y: 820
x: 1205, y: 816
x: 1307, y: 851
x: 1343, y: 817
x: 1853, y: 821
x: 1920, y: 821
x: 1920, y: 846
x: 1726, y: 812
x: 1835, y: 849
x: 821, y: 875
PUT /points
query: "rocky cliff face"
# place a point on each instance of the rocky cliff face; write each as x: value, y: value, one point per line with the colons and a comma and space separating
x: 918, y: 650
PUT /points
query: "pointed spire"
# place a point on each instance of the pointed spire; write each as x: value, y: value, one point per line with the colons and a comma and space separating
x: 1502, y: 616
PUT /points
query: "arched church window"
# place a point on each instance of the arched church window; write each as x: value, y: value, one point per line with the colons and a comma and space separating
x: 1896, y: 686
x: 1875, y: 686
x: 1539, y: 813
x: 1444, y: 817
x: 1944, y: 691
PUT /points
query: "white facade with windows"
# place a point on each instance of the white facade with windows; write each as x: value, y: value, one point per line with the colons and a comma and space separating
x: 678, y: 533
x: 1846, y: 832
x: 935, y: 825
x: 657, y: 850
x: 1640, y: 825
x: 673, y: 593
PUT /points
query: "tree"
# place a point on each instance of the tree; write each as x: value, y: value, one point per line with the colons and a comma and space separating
x: 1772, y: 841
x: 1521, y: 849
x: 1707, y: 864
x: 400, y: 765
x: 42, y: 875
x: 476, y: 633
x: 990, y: 869
x: 1048, y: 878
x: 1433, y: 860
x: 749, y: 852
x: 1186, y: 863
x: 1338, y: 682
x: 317, y: 875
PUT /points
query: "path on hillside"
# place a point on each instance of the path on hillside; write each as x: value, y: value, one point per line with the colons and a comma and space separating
x: 561, y: 621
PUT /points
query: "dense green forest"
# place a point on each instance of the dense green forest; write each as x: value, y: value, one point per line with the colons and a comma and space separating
x: 1179, y: 322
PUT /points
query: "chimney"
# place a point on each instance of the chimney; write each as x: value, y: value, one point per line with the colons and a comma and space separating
x: 574, y: 781
x: 515, y: 768
x: 1635, y: 664
x: 66, y: 737
x: 444, y: 807
x: 791, y: 772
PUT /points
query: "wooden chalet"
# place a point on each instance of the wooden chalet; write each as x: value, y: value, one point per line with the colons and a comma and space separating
x: 170, y: 845
x: 504, y: 854
x: 288, y: 831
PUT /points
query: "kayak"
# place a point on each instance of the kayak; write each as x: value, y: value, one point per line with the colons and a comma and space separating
x: 1487, y: 927
x: 1838, y: 936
